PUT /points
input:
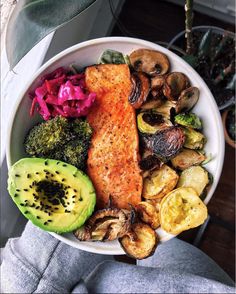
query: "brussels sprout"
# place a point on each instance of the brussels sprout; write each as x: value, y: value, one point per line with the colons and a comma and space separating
x: 188, y: 120
x: 193, y: 139
x: 152, y: 122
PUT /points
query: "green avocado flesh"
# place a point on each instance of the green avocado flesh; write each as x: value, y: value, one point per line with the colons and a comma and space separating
x: 54, y: 195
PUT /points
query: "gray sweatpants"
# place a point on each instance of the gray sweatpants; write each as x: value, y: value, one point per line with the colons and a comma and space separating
x: 38, y: 263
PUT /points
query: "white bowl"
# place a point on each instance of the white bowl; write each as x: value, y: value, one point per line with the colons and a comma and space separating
x: 87, y: 53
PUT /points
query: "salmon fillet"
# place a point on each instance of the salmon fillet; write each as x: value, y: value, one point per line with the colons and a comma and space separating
x: 114, y: 153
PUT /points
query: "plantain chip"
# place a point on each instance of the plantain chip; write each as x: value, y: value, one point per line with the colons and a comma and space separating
x: 148, y: 214
x: 144, y: 243
x: 181, y: 210
x: 160, y: 182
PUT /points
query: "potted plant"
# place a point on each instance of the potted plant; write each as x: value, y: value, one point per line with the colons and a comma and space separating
x: 229, y: 124
x: 211, y: 52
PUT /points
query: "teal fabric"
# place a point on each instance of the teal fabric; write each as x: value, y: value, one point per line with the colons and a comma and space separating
x: 38, y: 263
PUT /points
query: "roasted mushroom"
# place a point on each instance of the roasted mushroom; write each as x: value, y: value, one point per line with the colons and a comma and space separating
x: 157, y: 84
x: 187, y: 158
x: 151, y: 122
x: 105, y: 225
x: 149, y: 61
x: 175, y: 83
x: 159, y: 182
x: 165, y: 144
x: 165, y: 108
x: 148, y: 214
x: 144, y: 243
x: 140, y: 89
x: 187, y: 99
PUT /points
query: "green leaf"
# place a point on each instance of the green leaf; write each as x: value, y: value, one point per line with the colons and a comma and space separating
x: 205, y: 44
x: 191, y: 60
x: 32, y: 20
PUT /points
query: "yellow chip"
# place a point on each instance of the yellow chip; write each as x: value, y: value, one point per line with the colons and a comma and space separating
x: 182, y: 210
x: 160, y: 182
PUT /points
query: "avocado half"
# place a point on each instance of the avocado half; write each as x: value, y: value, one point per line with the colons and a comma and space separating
x: 54, y: 195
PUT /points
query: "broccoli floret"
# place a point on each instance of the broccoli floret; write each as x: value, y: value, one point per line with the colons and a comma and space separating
x: 190, y: 120
x: 60, y: 139
x: 43, y: 138
x: 81, y: 129
x: 75, y: 153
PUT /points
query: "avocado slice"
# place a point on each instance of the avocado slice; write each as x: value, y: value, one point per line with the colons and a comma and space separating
x: 54, y: 195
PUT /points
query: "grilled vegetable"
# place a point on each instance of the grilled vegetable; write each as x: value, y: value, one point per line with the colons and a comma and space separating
x: 140, y: 89
x: 151, y: 122
x: 190, y: 120
x: 194, y: 139
x: 182, y: 210
x: 152, y: 102
x: 157, y: 83
x: 166, y: 143
x: 105, y: 225
x: 149, y: 61
x: 150, y: 162
x: 159, y: 182
x: 143, y: 244
x: 187, y: 158
x: 165, y: 108
x: 187, y: 99
x: 111, y: 56
x: 174, y: 84
x: 148, y: 214
x: 195, y: 177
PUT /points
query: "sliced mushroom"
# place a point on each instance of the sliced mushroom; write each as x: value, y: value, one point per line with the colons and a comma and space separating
x: 188, y: 98
x: 174, y: 84
x: 144, y: 243
x: 153, y: 102
x: 149, y: 61
x: 165, y: 108
x: 105, y: 225
x: 165, y: 144
x: 148, y: 214
x: 140, y: 89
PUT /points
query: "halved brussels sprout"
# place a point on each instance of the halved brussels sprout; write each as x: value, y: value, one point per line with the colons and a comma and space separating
x: 143, y: 244
x: 165, y: 144
x: 150, y: 162
x: 195, y: 177
x: 190, y: 120
x: 149, y: 61
x: 175, y: 83
x: 187, y: 158
x: 159, y: 182
x: 187, y: 99
x: 151, y: 122
x: 140, y: 89
x: 193, y: 139
x: 182, y: 210
x: 148, y: 214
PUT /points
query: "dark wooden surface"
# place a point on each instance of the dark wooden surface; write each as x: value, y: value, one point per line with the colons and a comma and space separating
x: 161, y: 21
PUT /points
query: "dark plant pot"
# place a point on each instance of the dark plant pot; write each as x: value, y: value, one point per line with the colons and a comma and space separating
x: 179, y: 42
x: 228, y: 138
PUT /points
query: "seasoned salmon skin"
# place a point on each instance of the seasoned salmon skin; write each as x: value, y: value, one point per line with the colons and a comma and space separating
x: 114, y: 153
